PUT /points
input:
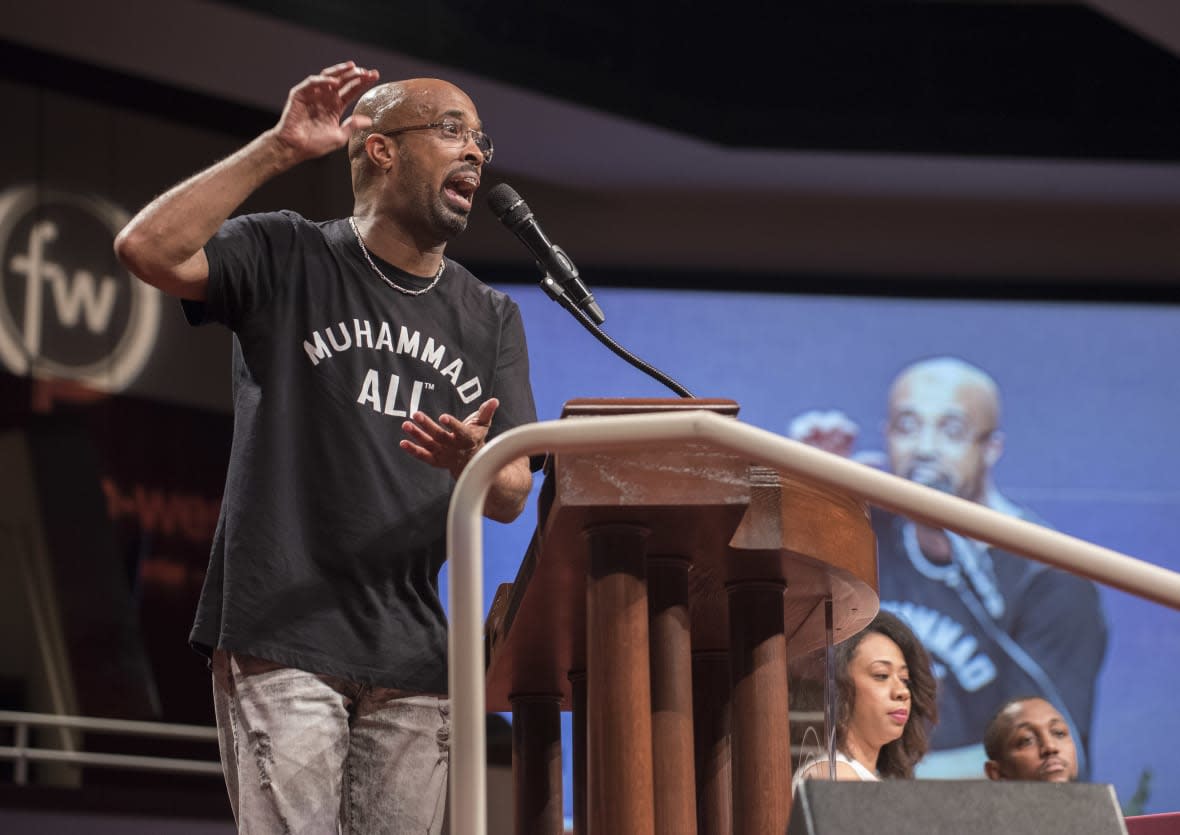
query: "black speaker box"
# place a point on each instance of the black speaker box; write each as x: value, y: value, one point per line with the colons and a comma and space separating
x: 960, y: 807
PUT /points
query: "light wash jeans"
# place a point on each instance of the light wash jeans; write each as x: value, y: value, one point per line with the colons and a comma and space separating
x: 309, y: 754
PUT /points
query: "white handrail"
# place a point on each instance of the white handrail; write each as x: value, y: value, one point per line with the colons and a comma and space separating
x: 204, y: 733
x: 596, y: 434
x: 23, y: 753
x: 131, y: 762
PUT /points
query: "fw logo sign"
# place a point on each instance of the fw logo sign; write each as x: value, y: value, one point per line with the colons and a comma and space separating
x: 68, y: 310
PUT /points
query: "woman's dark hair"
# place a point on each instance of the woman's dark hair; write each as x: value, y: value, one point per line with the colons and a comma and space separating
x: 898, y: 758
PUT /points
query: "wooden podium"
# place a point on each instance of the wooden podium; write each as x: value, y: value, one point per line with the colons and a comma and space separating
x: 658, y: 601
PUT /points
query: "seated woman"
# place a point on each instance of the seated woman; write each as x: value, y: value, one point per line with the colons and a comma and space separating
x: 885, y: 705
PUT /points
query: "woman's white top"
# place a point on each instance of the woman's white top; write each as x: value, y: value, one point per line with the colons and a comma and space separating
x: 861, y: 772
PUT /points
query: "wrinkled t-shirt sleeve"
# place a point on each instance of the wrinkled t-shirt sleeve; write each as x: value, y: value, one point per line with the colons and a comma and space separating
x: 247, y: 258
x: 511, y: 385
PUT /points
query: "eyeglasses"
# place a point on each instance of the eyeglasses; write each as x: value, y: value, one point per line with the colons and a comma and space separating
x: 950, y: 429
x: 453, y: 133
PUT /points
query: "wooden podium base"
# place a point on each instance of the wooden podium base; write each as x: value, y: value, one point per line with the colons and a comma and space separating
x: 660, y: 599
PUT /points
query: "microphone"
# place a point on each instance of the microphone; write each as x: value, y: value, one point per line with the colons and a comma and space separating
x: 513, y: 212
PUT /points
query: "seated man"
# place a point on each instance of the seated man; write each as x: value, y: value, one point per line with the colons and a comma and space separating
x: 1028, y: 739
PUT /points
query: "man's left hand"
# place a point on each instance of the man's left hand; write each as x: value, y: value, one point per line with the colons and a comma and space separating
x: 449, y: 443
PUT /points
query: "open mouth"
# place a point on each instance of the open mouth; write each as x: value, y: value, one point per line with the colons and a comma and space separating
x: 929, y: 476
x: 460, y: 188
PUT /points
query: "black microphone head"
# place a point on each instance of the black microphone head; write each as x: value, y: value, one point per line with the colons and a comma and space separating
x: 507, y: 205
x: 501, y: 198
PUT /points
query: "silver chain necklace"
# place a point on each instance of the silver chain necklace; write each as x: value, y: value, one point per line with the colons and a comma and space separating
x: 441, y: 266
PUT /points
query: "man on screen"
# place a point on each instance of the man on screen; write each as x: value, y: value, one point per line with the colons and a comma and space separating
x: 996, y: 625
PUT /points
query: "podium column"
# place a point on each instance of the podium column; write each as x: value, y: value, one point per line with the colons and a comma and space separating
x: 671, y: 694
x: 536, y: 764
x: 578, y: 703
x: 761, y: 724
x: 711, y: 709
x: 618, y: 676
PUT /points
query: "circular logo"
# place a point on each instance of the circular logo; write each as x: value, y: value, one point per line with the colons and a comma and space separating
x: 68, y: 309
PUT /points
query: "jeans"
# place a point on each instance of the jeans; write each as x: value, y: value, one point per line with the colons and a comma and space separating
x: 316, y: 754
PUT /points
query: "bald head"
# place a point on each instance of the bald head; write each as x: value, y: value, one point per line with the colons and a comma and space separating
x: 943, y: 416
x: 377, y: 104
x: 397, y: 104
x: 951, y: 378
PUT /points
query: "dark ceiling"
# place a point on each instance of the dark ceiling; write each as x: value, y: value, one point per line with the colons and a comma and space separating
x: 944, y: 142
x: 994, y: 79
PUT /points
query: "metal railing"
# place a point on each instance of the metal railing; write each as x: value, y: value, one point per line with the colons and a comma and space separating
x: 596, y: 434
x: 22, y: 752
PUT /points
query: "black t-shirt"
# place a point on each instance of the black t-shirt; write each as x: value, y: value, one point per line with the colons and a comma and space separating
x: 997, y: 626
x: 330, y: 540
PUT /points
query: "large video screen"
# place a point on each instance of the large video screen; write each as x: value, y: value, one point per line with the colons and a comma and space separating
x: 1083, y: 404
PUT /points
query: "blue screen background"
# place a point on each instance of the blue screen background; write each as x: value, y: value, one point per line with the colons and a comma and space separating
x: 1090, y: 407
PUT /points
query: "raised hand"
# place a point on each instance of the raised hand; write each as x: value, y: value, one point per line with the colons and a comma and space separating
x: 311, y: 122
x: 449, y: 443
x: 832, y: 431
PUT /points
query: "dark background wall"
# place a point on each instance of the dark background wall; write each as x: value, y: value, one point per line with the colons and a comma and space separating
x: 914, y: 141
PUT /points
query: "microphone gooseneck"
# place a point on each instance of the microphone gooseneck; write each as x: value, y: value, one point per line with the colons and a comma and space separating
x: 560, y: 278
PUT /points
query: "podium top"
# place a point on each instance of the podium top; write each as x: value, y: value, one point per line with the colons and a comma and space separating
x: 697, y: 503
x: 597, y: 406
